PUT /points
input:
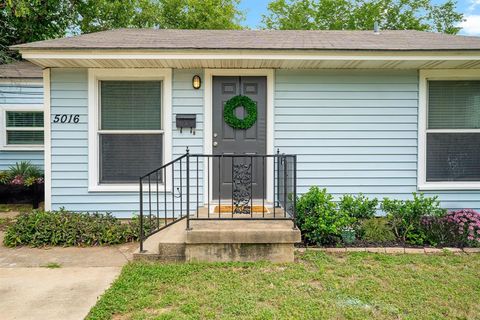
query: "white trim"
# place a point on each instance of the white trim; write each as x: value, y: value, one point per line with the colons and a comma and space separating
x: 48, y: 140
x: 208, y: 138
x: 94, y: 75
x: 424, y: 77
x: 4, y: 146
x: 158, y: 54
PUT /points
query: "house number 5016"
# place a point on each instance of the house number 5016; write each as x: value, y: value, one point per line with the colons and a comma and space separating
x: 66, y: 118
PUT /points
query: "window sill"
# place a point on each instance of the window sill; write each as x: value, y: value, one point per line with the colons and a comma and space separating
x: 126, y: 188
x: 449, y: 186
x: 22, y: 147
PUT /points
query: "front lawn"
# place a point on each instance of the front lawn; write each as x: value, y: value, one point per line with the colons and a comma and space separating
x: 317, y: 286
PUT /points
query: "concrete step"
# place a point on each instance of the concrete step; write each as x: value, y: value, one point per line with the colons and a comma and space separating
x: 167, y: 245
x: 222, y: 240
x: 242, y: 231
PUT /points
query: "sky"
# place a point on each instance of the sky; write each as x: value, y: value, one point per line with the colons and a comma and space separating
x: 470, y: 8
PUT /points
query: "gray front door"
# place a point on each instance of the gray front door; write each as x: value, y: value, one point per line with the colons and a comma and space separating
x: 227, y: 140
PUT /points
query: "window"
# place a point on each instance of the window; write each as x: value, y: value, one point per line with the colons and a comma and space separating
x: 130, y: 133
x: 23, y: 128
x: 129, y: 127
x: 450, y: 141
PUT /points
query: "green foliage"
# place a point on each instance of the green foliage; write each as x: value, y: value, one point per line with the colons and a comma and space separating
x: 377, y: 230
x: 25, y: 169
x: 358, y: 207
x: 63, y: 228
x: 99, y: 15
x: 52, y: 265
x: 22, y: 173
x: 24, y: 21
x: 361, y: 15
x: 438, y: 231
x: 32, y: 20
x: 405, y: 216
x: 348, y: 235
x: 318, y: 217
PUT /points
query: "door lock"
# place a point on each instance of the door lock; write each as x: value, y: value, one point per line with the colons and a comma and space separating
x: 215, y: 135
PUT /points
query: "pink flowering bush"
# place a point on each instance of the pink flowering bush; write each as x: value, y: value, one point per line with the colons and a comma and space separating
x: 17, y: 180
x: 465, y: 225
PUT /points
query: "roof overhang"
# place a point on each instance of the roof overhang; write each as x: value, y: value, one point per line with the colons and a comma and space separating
x: 258, y: 59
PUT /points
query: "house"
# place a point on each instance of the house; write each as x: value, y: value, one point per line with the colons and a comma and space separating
x: 382, y: 113
x: 21, y: 114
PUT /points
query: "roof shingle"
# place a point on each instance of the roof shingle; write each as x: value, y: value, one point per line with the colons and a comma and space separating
x: 20, y: 69
x: 387, y: 40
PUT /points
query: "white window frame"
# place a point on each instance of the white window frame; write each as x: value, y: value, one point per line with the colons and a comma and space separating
x: 94, y: 78
x: 4, y: 108
x: 425, y: 76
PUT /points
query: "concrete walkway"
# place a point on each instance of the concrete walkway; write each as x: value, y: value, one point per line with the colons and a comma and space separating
x: 31, y: 290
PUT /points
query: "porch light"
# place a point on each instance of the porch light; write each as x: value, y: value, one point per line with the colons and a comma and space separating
x: 196, y: 82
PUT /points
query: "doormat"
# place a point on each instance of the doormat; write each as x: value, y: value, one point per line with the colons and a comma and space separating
x: 228, y: 209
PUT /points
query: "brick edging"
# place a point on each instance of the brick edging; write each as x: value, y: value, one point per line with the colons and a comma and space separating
x: 392, y: 250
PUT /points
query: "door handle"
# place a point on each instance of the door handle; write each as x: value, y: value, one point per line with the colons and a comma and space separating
x: 215, y: 143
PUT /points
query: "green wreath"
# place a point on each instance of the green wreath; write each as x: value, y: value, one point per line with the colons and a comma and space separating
x: 229, y: 112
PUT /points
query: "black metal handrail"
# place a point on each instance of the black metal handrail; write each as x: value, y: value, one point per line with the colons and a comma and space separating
x: 190, y: 178
x: 158, y: 178
x: 284, y: 187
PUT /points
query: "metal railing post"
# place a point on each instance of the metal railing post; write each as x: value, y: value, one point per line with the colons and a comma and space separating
x: 278, y: 178
x: 141, y: 215
x: 285, y: 185
x: 294, y: 212
x: 188, y: 189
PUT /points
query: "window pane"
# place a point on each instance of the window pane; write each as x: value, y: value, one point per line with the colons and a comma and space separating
x: 126, y: 157
x: 130, y: 105
x: 24, y: 119
x: 24, y: 137
x: 453, y: 157
x: 454, y: 105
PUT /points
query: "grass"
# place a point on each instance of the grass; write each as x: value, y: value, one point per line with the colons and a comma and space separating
x: 317, y: 286
x: 52, y: 265
x: 15, y: 207
x: 4, y: 223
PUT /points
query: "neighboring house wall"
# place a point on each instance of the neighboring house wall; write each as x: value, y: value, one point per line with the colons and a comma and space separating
x: 69, y: 94
x: 13, y: 93
x: 355, y: 131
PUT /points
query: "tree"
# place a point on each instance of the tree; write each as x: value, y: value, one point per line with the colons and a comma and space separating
x: 25, y: 21
x: 98, y: 15
x: 362, y: 14
x: 32, y: 20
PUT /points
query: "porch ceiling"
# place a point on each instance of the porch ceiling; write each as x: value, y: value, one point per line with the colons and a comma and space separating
x: 255, y: 60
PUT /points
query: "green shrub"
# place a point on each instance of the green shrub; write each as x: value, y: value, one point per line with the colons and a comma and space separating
x: 358, y: 207
x: 377, y: 230
x: 63, y: 228
x: 405, y: 216
x: 318, y: 217
x: 438, y: 231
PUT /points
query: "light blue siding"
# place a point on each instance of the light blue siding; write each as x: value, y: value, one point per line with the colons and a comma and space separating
x: 20, y: 92
x: 354, y: 131
x: 70, y: 143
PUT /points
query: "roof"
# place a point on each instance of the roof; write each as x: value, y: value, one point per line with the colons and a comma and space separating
x: 398, y: 40
x: 20, y: 69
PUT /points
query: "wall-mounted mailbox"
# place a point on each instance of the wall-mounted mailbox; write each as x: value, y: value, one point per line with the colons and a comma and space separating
x: 186, y: 121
